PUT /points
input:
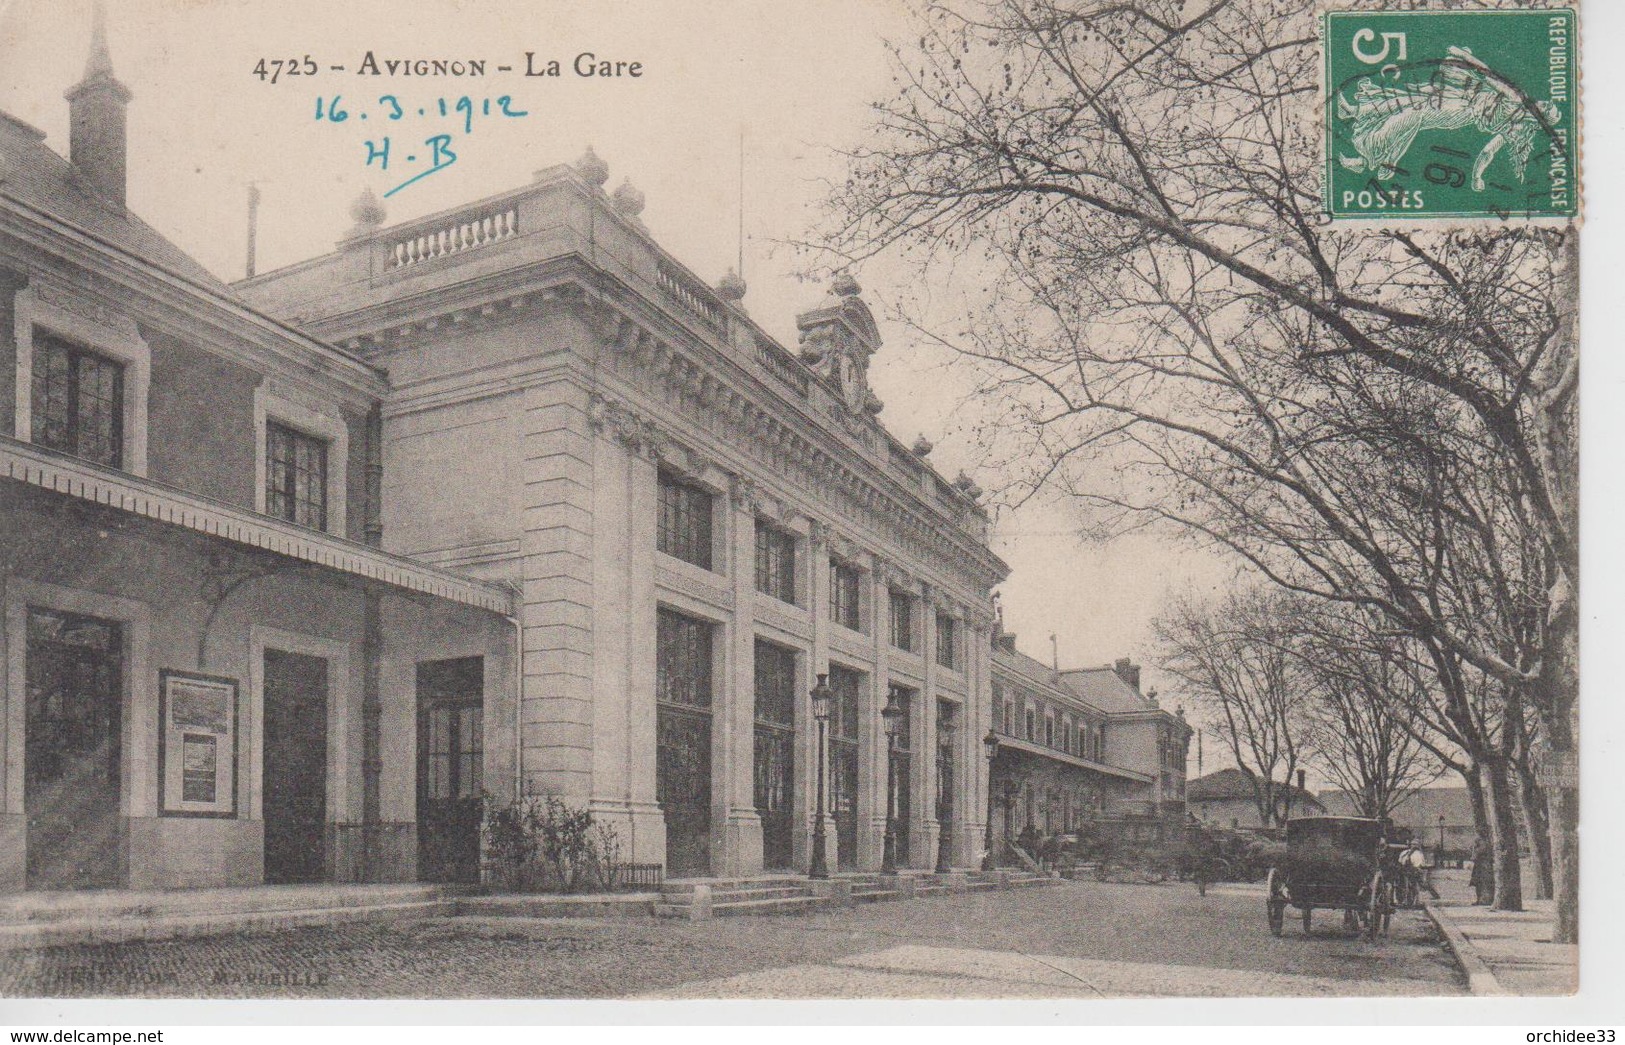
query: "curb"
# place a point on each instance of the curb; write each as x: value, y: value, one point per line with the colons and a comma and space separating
x: 1480, y: 980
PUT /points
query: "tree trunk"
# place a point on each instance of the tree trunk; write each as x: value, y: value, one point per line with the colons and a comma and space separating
x: 1557, y: 690
x: 1563, y: 812
x: 1563, y: 804
x: 1503, y: 835
x: 1532, y: 802
x: 1481, y: 829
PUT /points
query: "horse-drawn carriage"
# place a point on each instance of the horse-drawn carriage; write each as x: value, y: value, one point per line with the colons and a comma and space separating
x: 1217, y: 854
x: 1334, y: 863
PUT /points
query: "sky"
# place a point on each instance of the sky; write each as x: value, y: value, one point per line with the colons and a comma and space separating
x: 795, y: 81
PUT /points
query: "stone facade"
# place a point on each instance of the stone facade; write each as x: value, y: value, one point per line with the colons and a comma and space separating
x: 548, y: 450
x: 545, y: 350
x: 138, y: 548
x: 1079, y: 746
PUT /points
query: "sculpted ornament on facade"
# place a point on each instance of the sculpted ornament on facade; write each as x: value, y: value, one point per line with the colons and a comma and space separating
x: 717, y: 595
x: 726, y: 411
x: 641, y: 436
x: 684, y: 459
x: 83, y: 307
x: 743, y: 493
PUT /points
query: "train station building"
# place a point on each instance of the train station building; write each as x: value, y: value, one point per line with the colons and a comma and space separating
x: 700, y: 521
x: 501, y: 501
x: 213, y: 671
x: 1069, y: 747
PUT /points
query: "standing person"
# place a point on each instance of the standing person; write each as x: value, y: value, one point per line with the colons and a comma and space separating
x: 1483, y: 878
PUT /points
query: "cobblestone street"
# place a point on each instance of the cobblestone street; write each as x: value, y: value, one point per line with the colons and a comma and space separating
x: 1075, y: 939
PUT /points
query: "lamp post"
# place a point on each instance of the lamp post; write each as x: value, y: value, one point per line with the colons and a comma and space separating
x: 892, y: 715
x: 945, y: 804
x: 1438, y: 856
x: 820, y: 704
x: 991, y: 743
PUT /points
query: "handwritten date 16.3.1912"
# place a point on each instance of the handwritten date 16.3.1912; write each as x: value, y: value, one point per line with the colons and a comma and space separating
x: 422, y: 157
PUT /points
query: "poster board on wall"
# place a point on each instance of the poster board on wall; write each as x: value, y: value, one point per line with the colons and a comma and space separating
x: 197, y: 744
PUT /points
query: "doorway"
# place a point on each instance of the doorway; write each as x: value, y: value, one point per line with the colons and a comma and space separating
x: 451, y: 758
x: 295, y: 760
x: 774, y: 752
x: 683, y: 677
x: 902, y: 772
x: 844, y: 684
x: 73, y: 750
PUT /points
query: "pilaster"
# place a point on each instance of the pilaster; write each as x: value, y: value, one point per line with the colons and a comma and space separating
x: 557, y: 716
x: 925, y: 804
x: 623, y: 629
x: 873, y: 753
x: 972, y: 800
x: 815, y: 571
x: 738, y: 849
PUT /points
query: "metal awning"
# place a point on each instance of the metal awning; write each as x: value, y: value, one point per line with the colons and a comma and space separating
x: 49, y: 470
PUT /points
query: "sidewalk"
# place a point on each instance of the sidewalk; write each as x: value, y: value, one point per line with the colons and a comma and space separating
x: 1503, y: 952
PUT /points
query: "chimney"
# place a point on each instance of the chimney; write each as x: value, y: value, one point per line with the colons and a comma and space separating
x: 96, y: 137
x: 1129, y: 672
x: 253, y: 227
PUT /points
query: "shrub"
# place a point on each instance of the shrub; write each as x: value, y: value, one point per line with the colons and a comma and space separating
x: 546, y: 846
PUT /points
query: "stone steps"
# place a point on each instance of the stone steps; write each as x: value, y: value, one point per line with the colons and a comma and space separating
x: 779, y: 905
x: 71, y: 931
x: 61, y: 919
x: 614, y: 905
x: 114, y: 904
x: 735, y: 897
x: 771, y: 892
x: 716, y: 885
x: 876, y: 895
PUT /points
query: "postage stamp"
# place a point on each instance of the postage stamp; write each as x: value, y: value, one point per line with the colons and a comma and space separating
x: 1450, y: 114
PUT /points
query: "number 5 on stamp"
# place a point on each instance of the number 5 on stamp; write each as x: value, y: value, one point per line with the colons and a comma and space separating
x: 1450, y: 114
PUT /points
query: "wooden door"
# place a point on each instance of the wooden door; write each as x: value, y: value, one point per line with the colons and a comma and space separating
x: 73, y: 751
x: 774, y: 768
x: 845, y: 764
x: 451, y: 756
x: 294, y: 797
x: 683, y: 740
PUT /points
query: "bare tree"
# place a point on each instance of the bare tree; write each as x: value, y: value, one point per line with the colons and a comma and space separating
x: 1233, y: 657
x: 1179, y: 337
x: 1362, y: 736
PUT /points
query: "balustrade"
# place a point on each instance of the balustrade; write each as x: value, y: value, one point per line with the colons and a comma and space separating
x: 690, y: 296
x: 464, y: 234
x: 779, y: 363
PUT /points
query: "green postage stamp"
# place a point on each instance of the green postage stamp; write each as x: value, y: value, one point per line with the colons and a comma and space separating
x: 1451, y: 114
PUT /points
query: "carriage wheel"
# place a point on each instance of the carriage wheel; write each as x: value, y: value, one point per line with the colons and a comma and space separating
x: 1380, y: 908
x: 1274, y: 906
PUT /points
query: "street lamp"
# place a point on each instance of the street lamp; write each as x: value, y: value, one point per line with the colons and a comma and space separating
x: 892, y: 714
x: 991, y: 742
x: 945, y: 783
x: 1438, y: 856
x: 821, y: 698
